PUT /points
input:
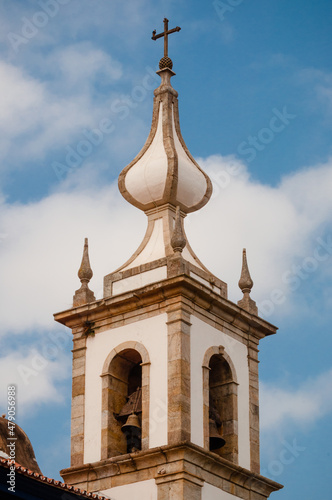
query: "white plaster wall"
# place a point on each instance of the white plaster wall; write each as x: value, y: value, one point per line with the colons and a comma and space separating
x: 204, y: 336
x: 154, y: 248
x: 188, y: 256
x: 139, y: 280
x: 144, y: 490
x: 152, y: 333
x: 210, y: 492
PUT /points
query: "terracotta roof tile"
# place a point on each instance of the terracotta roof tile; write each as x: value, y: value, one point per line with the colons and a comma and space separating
x: 54, y: 482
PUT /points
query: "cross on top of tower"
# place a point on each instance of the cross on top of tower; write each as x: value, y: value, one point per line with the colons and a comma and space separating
x: 165, y: 62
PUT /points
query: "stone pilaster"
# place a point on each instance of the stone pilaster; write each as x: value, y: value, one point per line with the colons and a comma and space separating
x: 179, y: 486
x: 179, y: 418
x: 206, y: 398
x: 78, y: 400
x: 254, y: 407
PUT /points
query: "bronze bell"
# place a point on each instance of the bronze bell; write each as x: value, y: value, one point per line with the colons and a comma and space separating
x: 132, y: 421
x: 132, y: 431
x: 216, y: 441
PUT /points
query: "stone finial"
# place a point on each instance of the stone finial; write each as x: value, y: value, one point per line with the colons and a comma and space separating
x: 178, y: 240
x: 246, y: 284
x: 85, y: 272
x: 84, y: 295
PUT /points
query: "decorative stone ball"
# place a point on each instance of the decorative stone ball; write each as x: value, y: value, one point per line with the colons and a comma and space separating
x: 165, y: 62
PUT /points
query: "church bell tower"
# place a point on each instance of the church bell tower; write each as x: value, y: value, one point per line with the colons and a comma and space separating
x: 165, y: 368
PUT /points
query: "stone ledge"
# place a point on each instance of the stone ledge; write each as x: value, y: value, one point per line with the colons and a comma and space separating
x: 183, y: 288
x: 171, y: 461
x: 176, y: 265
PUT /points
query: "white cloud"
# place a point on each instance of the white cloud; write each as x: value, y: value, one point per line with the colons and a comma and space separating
x: 33, y: 115
x: 20, y: 94
x: 36, y: 375
x: 41, y: 114
x: 82, y: 64
x: 43, y: 118
x: 280, y: 408
x: 42, y: 246
x: 41, y: 243
x: 74, y: 20
x: 320, y: 84
x: 22, y: 98
x: 278, y: 225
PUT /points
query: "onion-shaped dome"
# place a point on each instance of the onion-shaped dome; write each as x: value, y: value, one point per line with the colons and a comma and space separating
x: 164, y: 172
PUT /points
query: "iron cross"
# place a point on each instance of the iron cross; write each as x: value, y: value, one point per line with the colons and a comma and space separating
x: 165, y: 34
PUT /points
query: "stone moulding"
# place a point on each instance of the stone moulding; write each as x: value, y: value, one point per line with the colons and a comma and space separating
x: 198, y: 297
x: 169, y: 463
x: 176, y: 265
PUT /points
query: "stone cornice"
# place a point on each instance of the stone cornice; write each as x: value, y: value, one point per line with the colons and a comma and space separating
x: 162, y: 295
x: 166, y: 461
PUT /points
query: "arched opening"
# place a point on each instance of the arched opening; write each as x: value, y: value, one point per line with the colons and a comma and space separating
x: 221, y: 406
x: 124, y: 403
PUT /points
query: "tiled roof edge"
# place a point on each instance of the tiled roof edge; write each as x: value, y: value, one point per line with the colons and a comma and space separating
x: 54, y: 482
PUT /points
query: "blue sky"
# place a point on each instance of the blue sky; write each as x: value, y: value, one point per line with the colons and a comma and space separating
x: 255, y: 90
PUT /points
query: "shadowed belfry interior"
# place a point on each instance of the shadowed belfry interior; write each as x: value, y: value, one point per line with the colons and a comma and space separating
x: 123, y: 379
